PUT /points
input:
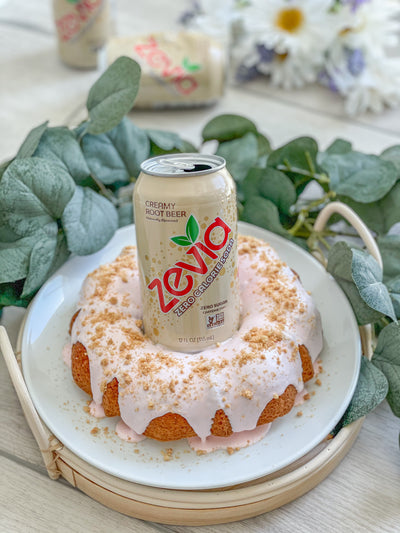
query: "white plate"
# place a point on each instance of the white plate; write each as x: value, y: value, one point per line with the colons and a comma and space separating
x: 60, y: 403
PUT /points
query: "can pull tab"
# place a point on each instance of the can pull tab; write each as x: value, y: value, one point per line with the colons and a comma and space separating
x: 182, y: 165
x: 185, y: 166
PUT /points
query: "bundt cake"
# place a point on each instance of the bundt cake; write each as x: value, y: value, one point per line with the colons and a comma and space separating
x: 247, y: 381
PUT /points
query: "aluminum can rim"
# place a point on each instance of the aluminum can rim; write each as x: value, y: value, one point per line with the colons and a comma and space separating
x: 182, y: 165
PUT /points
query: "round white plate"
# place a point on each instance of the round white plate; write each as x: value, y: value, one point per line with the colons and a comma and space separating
x: 60, y: 403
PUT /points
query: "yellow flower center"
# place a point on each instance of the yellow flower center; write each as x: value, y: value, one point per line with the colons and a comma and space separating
x: 290, y: 19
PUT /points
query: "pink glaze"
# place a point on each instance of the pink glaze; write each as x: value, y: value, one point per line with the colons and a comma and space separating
x: 124, y: 432
x: 66, y: 354
x: 96, y: 410
x: 232, y: 376
x: 236, y: 441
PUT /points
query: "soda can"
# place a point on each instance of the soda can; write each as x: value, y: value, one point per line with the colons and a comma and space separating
x: 186, y: 231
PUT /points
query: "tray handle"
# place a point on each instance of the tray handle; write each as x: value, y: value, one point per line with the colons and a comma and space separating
x: 48, y: 444
x: 367, y: 238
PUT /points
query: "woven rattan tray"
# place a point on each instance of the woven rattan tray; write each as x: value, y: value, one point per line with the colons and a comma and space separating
x: 194, y: 507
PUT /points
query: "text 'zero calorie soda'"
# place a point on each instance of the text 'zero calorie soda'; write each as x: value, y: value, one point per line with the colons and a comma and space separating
x: 186, y: 230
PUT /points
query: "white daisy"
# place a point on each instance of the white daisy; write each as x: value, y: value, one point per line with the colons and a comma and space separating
x: 294, y: 27
x: 373, y: 26
x: 376, y: 88
x: 366, y: 83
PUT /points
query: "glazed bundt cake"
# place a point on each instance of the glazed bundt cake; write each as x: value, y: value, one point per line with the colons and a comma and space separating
x: 247, y: 381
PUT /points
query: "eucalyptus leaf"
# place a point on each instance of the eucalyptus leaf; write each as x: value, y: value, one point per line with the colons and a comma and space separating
x: 35, y: 187
x: 61, y: 147
x: 240, y: 155
x: 387, y: 358
x: 368, y: 276
x: 392, y: 154
x: 10, y: 295
x: 89, y: 221
x: 264, y: 146
x: 298, y: 153
x: 263, y: 213
x: 14, y: 258
x: 166, y: 140
x: 272, y: 185
x: 113, y: 95
x: 41, y: 258
x: 227, y: 127
x: 116, y: 156
x: 393, y: 286
x: 31, y: 142
x: 340, y: 265
x: 371, y: 390
x: 125, y: 214
x: 339, y: 146
x: 362, y: 177
x: 381, y: 215
x: 389, y: 246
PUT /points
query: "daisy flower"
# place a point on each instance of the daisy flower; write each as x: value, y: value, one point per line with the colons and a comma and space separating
x: 373, y: 26
x: 294, y: 27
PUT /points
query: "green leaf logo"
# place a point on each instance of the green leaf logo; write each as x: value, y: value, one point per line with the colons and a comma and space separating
x: 181, y: 240
x: 190, y: 67
x: 192, y: 232
x: 192, y: 229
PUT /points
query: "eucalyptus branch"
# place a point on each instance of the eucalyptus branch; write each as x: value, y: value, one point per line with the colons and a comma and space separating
x: 287, y: 167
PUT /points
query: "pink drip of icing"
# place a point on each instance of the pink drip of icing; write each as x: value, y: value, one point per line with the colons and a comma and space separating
x: 67, y: 354
x: 124, y: 432
x: 96, y: 410
x: 237, y: 440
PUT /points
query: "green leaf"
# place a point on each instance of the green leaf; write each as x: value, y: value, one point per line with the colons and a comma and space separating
x: 41, y: 259
x: 339, y: 146
x: 362, y: 177
x: 272, y: 185
x: 393, y: 286
x: 381, y: 215
x: 192, y: 229
x: 10, y: 295
x: 387, y: 358
x: 371, y: 390
x: 35, y: 187
x: 294, y: 154
x: 61, y: 147
x: 240, y: 155
x: 368, y: 275
x: 263, y: 213
x: 113, y: 95
x: 166, y: 140
x: 116, y: 155
x: 392, y: 154
x: 181, y: 240
x: 389, y: 246
x: 227, y: 127
x: 264, y: 146
x: 31, y: 142
x: 14, y: 258
x: 340, y: 265
x: 125, y: 214
x: 89, y: 222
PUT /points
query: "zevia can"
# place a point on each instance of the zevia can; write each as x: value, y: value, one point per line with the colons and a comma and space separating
x: 186, y: 230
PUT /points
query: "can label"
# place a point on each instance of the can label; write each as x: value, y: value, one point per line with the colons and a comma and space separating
x: 171, y: 280
x: 187, y: 250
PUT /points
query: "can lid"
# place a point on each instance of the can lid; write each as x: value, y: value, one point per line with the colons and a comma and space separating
x: 175, y: 165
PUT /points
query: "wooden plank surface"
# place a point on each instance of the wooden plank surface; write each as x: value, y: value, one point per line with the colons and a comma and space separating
x: 363, y: 493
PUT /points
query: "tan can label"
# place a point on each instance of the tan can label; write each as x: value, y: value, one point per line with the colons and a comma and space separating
x: 188, y: 262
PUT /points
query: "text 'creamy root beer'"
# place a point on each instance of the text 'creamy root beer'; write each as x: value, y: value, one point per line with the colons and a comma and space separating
x: 186, y: 229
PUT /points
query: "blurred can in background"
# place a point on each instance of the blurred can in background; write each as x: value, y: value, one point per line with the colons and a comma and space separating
x: 83, y: 28
x: 179, y: 69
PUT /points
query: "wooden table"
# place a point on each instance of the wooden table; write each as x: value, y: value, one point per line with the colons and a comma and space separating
x: 363, y: 493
